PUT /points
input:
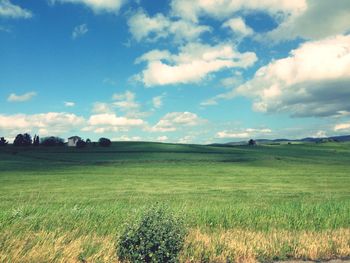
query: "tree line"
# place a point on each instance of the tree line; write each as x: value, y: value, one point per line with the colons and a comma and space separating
x: 26, y: 139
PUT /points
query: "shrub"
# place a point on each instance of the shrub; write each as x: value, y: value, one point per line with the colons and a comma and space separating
x: 104, y: 142
x: 157, y: 237
x: 52, y: 141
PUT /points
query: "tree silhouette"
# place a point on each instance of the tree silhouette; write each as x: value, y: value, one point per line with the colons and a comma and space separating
x: 23, y: 140
x: 36, y: 140
x: 52, y: 141
x: 3, y: 142
x: 81, y: 144
x: 104, y: 142
x: 251, y: 142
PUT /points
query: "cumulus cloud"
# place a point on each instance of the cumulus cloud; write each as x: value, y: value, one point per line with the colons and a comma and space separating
x: 238, y: 26
x: 7, y: 9
x: 125, y: 101
x: 79, y: 31
x: 175, y: 120
x: 104, y: 122
x: 144, y: 27
x: 43, y: 123
x: 192, y: 64
x: 98, y: 6
x: 242, y: 134
x: 313, y: 81
x: 192, y: 10
x: 342, y: 126
x: 321, y: 18
x: 21, y: 98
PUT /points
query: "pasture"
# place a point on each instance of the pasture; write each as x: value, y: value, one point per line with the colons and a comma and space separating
x: 240, y: 203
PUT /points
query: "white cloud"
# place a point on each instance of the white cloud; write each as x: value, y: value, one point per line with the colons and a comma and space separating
x: 209, y: 102
x: 113, y: 120
x: 104, y: 122
x: 21, y: 98
x: 158, y: 101
x: 126, y: 138
x: 69, y: 104
x: 101, y: 107
x: 98, y: 6
x: 79, y: 31
x: 7, y: 9
x: 313, y: 81
x: 162, y: 138
x: 175, y: 120
x: 185, y: 139
x: 238, y: 26
x: 320, y: 134
x: 192, y: 64
x: 221, y: 9
x: 43, y: 123
x: 125, y: 101
x: 242, y: 134
x: 231, y: 82
x: 321, y: 18
x: 342, y: 127
x: 142, y: 26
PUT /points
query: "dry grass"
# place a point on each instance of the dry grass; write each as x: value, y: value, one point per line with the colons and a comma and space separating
x: 249, y: 246
x: 225, y: 246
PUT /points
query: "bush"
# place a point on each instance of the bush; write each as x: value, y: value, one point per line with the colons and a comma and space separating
x: 157, y: 237
x: 52, y: 141
x: 104, y: 142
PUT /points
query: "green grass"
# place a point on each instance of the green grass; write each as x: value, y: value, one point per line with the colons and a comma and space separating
x: 301, y: 187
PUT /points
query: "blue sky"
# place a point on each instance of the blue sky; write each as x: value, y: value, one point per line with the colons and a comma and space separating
x: 175, y: 71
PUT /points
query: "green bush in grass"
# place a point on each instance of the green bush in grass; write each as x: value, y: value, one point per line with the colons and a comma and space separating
x: 157, y: 237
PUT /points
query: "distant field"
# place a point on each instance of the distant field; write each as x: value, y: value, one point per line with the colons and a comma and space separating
x: 240, y: 203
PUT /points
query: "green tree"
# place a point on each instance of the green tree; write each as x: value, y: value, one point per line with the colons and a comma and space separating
x: 23, y: 140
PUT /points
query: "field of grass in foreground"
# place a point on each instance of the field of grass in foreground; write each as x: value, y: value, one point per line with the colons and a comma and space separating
x: 240, y: 203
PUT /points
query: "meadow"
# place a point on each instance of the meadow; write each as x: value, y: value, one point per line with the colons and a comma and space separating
x: 240, y: 203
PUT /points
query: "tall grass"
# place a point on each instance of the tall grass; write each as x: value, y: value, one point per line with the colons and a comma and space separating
x: 241, y: 204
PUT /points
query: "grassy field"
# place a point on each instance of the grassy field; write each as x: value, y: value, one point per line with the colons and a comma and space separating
x: 240, y: 203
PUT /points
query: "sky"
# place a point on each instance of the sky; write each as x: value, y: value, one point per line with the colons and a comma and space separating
x: 178, y: 71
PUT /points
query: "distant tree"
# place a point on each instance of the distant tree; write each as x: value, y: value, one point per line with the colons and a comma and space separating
x: 23, y: 140
x: 52, y: 141
x: 3, y: 142
x: 81, y: 144
x: 251, y: 142
x: 36, y: 140
x: 88, y: 141
x: 104, y: 142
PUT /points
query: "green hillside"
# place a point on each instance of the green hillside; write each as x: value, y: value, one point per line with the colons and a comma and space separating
x: 73, y: 195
